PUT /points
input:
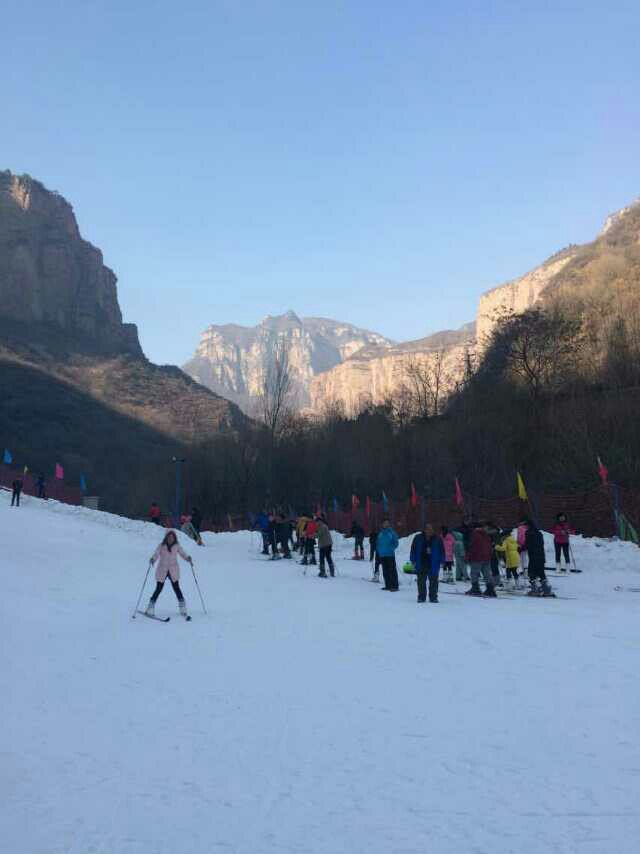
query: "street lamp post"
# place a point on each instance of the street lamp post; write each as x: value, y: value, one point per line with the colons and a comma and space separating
x: 178, y: 462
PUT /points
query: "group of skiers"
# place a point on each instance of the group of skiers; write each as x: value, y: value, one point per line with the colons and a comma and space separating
x: 190, y: 523
x: 472, y: 552
x: 18, y: 485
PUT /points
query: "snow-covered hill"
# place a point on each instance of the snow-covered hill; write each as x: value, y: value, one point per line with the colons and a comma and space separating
x: 307, y: 715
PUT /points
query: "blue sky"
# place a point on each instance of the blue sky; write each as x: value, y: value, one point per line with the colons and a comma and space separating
x: 381, y: 163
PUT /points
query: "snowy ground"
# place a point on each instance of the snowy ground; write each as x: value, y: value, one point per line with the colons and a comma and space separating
x: 305, y: 715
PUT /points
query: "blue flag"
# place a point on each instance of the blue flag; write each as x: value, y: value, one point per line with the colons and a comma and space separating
x: 335, y: 505
x: 385, y: 502
x: 83, y: 483
x: 8, y: 459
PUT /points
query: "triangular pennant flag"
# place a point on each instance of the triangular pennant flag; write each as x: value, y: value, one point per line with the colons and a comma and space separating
x: 83, y: 483
x: 459, y: 498
x: 355, y: 502
x: 522, y: 492
x: 603, y: 472
x: 385, y: 502
x: 335, y: 505
x: 59, y: 472
x: 7, y: 458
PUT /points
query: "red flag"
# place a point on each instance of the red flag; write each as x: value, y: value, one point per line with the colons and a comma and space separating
x: 355, y: 502
x: 368, y: 506
x: 603, y: 472
x: 414, y: 497
x: 459, y: 496
x: 59, y: 472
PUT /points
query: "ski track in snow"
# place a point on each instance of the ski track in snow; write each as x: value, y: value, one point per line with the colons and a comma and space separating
x: 307, y: 715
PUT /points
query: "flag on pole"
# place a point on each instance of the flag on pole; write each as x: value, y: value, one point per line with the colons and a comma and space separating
x: 414, y: 496
x: 522, y: 491
x: 368, y: 507
x: 59, y: 472
x: 385, y: 502
x: 355, y: 502
x: 603, y: 472
x: 83, y: 483
x: 26, y: 470
x: 335, y: 505
x: 459, y: 498
x: 7, y: 458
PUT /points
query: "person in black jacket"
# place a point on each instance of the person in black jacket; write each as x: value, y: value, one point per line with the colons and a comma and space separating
x: 535, y: 548
x: 17, y: 491
x: 283, y: 532
x: 196, y: 520
x: 373, y: 554
x: 357, y: 532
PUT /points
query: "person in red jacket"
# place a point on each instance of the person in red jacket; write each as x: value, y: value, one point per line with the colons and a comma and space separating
x: 479, y: 558
x: 154, y: 514
x: 310, y: 532
x: 561, y: 533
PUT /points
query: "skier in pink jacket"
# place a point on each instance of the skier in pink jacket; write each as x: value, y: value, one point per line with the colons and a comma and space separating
x: 165, y: 558
x: 448, y: 544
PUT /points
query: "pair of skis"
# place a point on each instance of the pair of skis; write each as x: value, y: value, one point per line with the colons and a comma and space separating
x: 187, y: 617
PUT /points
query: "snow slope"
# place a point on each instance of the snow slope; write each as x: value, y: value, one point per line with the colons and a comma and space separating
x: 307, y: 715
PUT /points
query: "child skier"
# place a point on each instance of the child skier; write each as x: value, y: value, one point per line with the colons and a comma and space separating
x: 448, y: 545
x: 508, y: 548
x: 357, y: 532
x: 522, y: 545
x: 166, y: 558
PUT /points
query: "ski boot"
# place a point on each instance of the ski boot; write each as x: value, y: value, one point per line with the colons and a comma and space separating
x: 534, y: 589
x: 546, y: 591
x: 182, y: 607
x: 322, y: 574
x: 474, y: 590
x: 490, y: 592
x: 151, y: 608
x: 376, y: 578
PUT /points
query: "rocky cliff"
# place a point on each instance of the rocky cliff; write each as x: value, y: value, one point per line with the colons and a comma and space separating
x: 610, y: 262
x: 49, y: 275
x: 231, y: 360
x: 373, y: 374
x: 69, y: 366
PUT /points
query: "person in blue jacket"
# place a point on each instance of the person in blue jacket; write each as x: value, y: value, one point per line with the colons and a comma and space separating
x: 427, y: 554
x: 262, y: 523
x: 386, y: 546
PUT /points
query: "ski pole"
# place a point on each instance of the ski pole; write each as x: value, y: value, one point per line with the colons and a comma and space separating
x: 198, y: 586
x: 144, y: 584
x: 573, y: 560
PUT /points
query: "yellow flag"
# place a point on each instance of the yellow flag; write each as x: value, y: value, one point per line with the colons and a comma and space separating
x: 522, y: 492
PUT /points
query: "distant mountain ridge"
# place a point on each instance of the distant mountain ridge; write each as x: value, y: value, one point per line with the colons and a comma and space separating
x: 340, y: 363
x: 231, y: 359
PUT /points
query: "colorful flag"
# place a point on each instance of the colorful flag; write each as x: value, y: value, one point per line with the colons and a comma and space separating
x: 602, y: 471
x: 522, y: 492
x: 335, y: 505
x: 385, y: 502
x: 414, y: 496
x: 8, y: 459
x: 459, y: 497
x: 83, y: 483
x: 368, y: 507
x: 59, y: 472
x: 355, y: 502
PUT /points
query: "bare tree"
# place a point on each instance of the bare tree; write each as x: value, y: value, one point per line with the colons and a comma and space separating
x: 277, y: 387
x: 426, y: 383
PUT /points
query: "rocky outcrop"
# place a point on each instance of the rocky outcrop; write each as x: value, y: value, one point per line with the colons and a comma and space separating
x: 231, y: 360
x: 59, y: 317
x: 49, y: 275
x: 373, y: 375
